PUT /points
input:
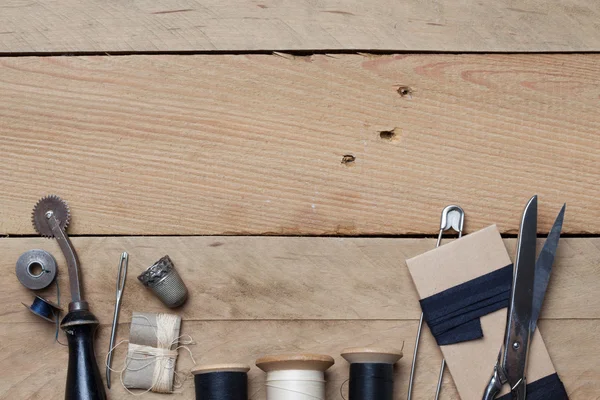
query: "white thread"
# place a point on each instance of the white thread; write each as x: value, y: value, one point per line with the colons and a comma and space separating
x: 151, y: 351
x: 295, y: 385
x: 110, y: 351
x: 162, y: 356
x: 165, y: 326
x: 162, y: 378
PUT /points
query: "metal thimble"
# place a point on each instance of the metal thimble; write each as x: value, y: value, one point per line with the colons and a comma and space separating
x: 164, y: 281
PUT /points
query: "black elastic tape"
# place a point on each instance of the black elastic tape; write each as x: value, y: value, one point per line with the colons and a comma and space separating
x: 547, y: 388
x: 453, y: 315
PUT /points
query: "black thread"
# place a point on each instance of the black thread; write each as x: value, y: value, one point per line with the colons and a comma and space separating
x: 547, y: 388
x: 371, y: 381
x: 453, y: 315
x: 42, y: 308
x: 221, y: 385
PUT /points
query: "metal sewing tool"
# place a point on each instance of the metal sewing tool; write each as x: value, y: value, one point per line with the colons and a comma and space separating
x: 121, y: 276
x: 165, y: 282
x: 36, y: 269
x: 453, y: 217
x: 51, y: 216
x: 45, y: 309
x: 530, y: 281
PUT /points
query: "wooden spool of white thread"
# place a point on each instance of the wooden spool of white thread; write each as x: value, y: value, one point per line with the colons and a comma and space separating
x: 296, y: 376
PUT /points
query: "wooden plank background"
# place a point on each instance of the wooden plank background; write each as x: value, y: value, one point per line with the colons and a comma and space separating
x: 200, y: 140
x: 280, y: 295
x: 213, y: 25
x: 572, y: 345
x: 247, y: 278
x: 255, y: 144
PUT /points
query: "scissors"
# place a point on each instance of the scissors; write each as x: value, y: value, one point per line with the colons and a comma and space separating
x: 530, y: 281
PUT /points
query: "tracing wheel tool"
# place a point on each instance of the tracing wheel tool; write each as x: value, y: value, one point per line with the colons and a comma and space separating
x: 51, y: 216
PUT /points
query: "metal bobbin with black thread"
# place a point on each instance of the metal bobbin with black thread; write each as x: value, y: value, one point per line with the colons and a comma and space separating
x: 36, y: 269
x: 44, y: 308
x: 371, y: 372
x: 221, y: 382
x: 164, y: 281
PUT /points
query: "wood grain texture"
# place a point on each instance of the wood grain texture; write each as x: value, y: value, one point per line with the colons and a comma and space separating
x: 252, y: 296
x: 210, y: 25
x: 572, y: 345
x: 257, y: 144
x: 248, y: 278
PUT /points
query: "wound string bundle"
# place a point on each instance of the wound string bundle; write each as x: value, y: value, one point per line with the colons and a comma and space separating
x: 371, y: 373
x: 221, y: 382
x: 152, y: 353
x: 295, y: 377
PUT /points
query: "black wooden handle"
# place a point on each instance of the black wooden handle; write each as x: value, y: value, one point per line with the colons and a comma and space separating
x: 83, y: 376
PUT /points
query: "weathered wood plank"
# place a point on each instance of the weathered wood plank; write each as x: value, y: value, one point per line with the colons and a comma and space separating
x: 238, y: 278
x: 210, y: 25
x: 255, y: 144
x: 572, y: 345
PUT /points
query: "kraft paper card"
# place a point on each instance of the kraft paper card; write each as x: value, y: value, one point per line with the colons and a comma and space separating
x: 471, y: 363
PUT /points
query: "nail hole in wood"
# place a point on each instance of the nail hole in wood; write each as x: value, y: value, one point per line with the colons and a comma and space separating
x: 348, y: 159
x: 405, y: 91
x: 387, y: 135
x: 391, y: 135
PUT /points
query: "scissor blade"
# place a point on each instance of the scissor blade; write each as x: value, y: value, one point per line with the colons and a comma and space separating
x: 543, y: 267
x: 518, y: 326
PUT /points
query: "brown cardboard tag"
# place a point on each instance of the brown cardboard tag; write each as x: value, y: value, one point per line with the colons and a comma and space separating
x: 471, y: 363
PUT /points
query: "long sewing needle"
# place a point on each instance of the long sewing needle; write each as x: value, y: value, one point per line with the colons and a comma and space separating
x: 121, y: 275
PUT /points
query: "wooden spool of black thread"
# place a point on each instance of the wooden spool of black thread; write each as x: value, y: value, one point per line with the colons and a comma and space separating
x: 371, y: 372
x: 221, y: 382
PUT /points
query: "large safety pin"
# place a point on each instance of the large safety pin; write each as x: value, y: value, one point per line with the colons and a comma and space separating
x: 453, y: 217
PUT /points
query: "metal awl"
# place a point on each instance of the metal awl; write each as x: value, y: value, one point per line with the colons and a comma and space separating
x: 121, y: 276
x: 453, y: 217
